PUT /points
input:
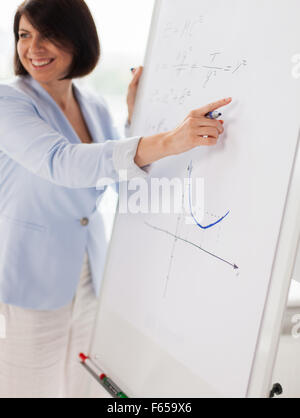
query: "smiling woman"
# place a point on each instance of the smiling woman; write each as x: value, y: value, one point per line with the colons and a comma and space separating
x: 57, y: 142
x: 54, y: 39
x: 52, y: 235
x: 40, y: 54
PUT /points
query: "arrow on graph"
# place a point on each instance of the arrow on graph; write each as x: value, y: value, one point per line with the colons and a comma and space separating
x: 235, y: 267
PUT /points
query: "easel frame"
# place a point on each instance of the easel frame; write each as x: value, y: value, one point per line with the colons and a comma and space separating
x: 260, y: 382
x: 268, y: 343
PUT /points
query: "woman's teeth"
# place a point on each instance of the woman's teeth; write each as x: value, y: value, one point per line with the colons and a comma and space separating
x: 41, y: 63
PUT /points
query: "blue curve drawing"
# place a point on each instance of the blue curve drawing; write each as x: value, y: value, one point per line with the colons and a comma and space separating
x: 190, y: 169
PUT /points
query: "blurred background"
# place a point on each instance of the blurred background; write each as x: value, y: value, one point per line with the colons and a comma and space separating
x: 123, y: 29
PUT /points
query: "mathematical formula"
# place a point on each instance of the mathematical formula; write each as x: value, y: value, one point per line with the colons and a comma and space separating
x: 210, y: 68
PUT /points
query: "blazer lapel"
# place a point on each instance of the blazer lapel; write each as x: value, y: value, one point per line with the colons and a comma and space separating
x: 89, y: 112
x: 58, y: 120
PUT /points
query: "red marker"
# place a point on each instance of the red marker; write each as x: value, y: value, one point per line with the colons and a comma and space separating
x: 107, y: 383
x: 94, y: 368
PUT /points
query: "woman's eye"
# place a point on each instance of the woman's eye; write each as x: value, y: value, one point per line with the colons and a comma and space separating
x: 23, y: 35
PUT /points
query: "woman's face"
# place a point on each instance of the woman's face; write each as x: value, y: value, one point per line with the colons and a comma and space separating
x: 43, y: 60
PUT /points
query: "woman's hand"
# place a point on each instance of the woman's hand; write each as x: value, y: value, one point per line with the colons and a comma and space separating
x: 132, y: 90
x: 196, y: 130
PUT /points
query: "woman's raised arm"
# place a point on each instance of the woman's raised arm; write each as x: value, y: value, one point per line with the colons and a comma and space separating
x: 196, y: 130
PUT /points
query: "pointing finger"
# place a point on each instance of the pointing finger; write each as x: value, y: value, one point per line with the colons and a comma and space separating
x: 211, y: 107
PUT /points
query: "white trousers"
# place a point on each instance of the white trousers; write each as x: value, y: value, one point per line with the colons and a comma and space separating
x: 39, y: 356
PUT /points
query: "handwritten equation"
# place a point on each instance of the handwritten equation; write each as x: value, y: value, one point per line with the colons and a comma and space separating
x: 174, y: 96
x: 156, y: 127
x: 185, y: 30
x: 211, y: 68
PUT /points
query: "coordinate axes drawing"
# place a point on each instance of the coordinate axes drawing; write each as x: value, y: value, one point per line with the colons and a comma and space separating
x: 178, y: 238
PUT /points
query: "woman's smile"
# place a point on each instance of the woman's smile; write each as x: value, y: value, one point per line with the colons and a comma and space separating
x: 41, y: 64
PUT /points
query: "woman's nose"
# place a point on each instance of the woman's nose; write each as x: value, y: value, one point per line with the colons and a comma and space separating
x: 37, y: 44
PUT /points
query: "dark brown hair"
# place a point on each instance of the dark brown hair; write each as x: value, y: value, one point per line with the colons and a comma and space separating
x: 67, y: 24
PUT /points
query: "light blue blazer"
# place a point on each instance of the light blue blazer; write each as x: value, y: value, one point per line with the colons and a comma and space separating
x: 48, y: 194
